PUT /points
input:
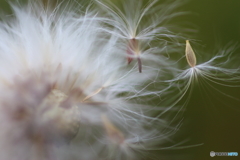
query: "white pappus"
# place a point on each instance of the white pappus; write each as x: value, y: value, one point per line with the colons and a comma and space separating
x: 61, y: 78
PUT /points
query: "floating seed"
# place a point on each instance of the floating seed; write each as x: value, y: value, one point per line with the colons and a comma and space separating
x: 190, y: 55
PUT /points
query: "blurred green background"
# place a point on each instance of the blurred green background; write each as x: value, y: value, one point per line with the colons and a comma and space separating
x: 215, y: 120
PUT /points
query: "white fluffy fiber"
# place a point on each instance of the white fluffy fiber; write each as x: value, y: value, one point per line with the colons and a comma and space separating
x: 72, y: 56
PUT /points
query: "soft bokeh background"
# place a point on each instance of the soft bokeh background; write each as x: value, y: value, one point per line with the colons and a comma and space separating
x: 211, y: 118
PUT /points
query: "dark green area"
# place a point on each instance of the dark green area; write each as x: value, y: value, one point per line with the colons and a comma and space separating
x: 213, y: 117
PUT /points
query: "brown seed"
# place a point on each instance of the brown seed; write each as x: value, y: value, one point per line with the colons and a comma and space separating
x: 190, y: 55
x: 132, y: 49
x: 139, y: 64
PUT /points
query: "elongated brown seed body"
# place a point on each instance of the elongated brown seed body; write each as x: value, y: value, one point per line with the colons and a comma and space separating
x: 190, y: 55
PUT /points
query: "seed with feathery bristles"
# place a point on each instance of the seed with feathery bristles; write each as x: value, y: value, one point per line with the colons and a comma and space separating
x: 190, y: 55
x: 137, y: 30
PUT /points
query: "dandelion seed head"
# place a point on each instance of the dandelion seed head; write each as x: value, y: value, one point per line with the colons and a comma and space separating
x: 60, y: 74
